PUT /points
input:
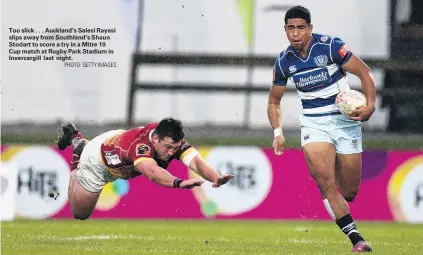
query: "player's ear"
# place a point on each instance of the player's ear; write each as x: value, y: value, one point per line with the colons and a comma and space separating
x: 311, y: 27
x: 155, y: 138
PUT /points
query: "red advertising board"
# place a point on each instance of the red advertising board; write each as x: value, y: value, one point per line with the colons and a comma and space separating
x: 265, y: 187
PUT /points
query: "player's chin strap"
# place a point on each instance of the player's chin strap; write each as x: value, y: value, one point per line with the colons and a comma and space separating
x: 177, y: 182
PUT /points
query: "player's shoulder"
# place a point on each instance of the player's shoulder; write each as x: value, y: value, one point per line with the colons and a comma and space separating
x: 185, y: 145
x: 328, y: 39
x: 144, y: 133
x: 323, y: 38
x: 150, y: 127
x: 141, y: 142
x: 283, y: 53
x: 142, y: 130
x: 139, y: 135
x: 281, y: 59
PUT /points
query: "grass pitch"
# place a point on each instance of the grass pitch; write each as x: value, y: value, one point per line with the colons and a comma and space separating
x: 201, y: 237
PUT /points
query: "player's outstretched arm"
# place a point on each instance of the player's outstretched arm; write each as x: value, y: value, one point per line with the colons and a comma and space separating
x: 152, y: 171
x: 357, y: 67
x: 274, y: 114
x: 203, y: 169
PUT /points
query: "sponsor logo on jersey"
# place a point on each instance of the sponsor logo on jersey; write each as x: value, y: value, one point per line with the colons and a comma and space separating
x: 313, y: 79
x: 292, y: 69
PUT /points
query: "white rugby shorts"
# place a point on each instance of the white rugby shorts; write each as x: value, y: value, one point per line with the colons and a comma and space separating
x: 91, y: 173
x: 345, y: 134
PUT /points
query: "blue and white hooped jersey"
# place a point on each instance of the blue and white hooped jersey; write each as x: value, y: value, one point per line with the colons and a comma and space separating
x: 318, y: 77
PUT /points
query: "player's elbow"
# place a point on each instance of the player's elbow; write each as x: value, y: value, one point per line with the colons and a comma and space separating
x: 365, y: 74
x: 274, y: 101
x: 273, y: 107
x: 368, y: 75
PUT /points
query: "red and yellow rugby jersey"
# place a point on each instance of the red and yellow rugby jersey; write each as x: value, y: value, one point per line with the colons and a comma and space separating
x: 123, y: 151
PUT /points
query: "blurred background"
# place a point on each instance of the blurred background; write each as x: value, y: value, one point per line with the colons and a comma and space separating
x: 209, y: 63
x: 180, y: 58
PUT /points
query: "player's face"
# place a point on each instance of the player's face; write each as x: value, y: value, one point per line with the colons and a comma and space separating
x: 166, y: 147
x: 298, y: 33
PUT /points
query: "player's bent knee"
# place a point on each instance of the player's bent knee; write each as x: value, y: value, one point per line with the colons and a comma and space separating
x: 80, y: 213
x: 349, y: 199
x: 350, y: 196
x: 82, y: 202
x: 81, y: 216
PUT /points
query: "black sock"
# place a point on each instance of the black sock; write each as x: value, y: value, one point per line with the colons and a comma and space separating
x: 347, y: 225
x: 78, y: 145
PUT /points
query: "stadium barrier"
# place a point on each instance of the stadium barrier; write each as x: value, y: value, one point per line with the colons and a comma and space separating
x: 391, y: 92
x: 265, y: 187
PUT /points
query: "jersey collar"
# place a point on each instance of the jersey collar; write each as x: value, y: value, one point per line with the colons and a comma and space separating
x: 292, y: 50
x: 150, y: 135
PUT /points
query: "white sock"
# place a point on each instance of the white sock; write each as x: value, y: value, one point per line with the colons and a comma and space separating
x: 329, y: 209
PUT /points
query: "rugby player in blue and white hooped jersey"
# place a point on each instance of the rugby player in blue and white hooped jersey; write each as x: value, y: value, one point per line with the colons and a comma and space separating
x: 331, y: 142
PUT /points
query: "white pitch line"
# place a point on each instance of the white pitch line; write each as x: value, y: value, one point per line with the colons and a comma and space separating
x: 220, y: 239
x: 97, y: 237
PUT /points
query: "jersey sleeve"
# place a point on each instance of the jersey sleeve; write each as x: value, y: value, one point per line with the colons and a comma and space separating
x: 278, y: 75
x: 186, y: 153
x: 340, y: 51
x: 139, y: 152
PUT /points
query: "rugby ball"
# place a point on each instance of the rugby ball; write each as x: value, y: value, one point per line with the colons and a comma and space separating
x: 349, y: 100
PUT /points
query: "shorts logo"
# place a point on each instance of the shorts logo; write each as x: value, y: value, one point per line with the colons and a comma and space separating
x: 143, y: 149
x: 112, y: 158
x: 354, y: 143
x: 321, y: 60
x: 306, y: 137
x: 343, y: 51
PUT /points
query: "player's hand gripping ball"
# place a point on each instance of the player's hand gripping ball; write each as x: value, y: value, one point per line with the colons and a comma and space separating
x: 349, y: 100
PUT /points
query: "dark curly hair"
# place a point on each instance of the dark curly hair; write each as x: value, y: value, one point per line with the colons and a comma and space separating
x: 298, y: 12
x: 170, y: 127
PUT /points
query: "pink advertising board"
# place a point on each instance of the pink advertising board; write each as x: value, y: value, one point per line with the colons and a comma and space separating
x: 265, y: 187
